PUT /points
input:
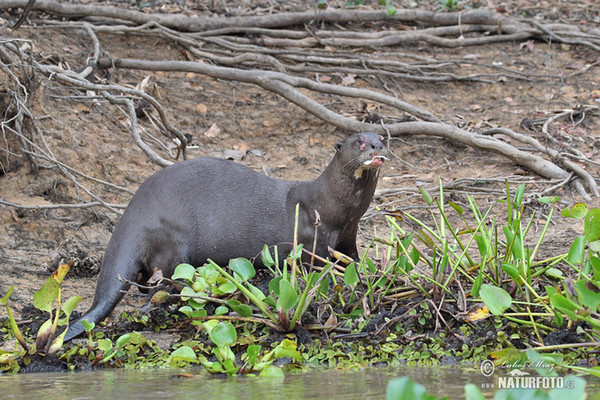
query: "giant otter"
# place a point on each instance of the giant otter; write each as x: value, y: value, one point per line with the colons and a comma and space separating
x: 210, y: 208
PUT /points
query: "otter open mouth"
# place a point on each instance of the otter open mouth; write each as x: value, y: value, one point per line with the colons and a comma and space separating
x: 375, y: 161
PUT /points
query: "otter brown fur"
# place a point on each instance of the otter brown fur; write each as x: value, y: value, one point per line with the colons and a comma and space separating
x: 210, y: 208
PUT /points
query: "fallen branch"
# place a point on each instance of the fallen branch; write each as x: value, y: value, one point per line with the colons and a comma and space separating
x: 279, y: 20
x: 217, y: 39
x: 286, y: 86
x: 57, y: 206
x: 465, y: 21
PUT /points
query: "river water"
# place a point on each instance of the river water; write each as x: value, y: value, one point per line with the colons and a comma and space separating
x: 117, y: 384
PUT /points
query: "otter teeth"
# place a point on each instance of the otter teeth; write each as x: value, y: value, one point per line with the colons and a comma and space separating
x: 369, y: 162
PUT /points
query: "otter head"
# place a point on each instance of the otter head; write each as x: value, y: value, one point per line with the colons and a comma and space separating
x: 363, y: 151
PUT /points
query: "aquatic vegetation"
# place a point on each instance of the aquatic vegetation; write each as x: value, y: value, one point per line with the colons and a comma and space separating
x: 405, y: 388
x: 428, y: 292
x: 47, y: 299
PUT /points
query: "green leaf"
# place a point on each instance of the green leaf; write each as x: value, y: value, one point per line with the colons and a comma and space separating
x: 311, y: 279
x: 57, y: 343
x: 549, y: 199
x: 517, y: 248
x: 187, y: 291
x: 270, y: 302
x: 243, y: 268
x: 256, y: 291
x: 223, y: 334
x: 274, y: 286
x: 370, y: 265
x: 405, y: 389
x: 242, y: 309
x: 513, y: 272
x: 4, y: 300
x: 43, y: 334
x: 70, y: 305
x: 193, y: 313
x: 576, y: 385
x: 267, y: 259
x: 359, y: 312
x: 272, y: 371
x: 554, y: 272
x: 350, y: 275
x: 414, y: 256
x: 324, y: 286
x: 481, y: 245
x: 184, y: 271
x: 476, y: 286
x: 472, y: 392
x: 287, y: 348
x: 105, y: 345
x: 221, y: 310
x: 456, y: 207
x: 44, y: 298
x: 87, y: 325
x: 426, y: 195
x: 558, y: 300
x: 201, y: 285
x: 495, y: 298
x: 210, y: 274
x: 287, y: 296
x: 558, y: 319
x: 579, y: 210
x: 591, y: 225
x: 550, y: 291
x: 296, y: 253
x: 160, y: 297
x: 518, y: 199
x: 541, y: 362
x: 508, y: 234
x: 123, y: 340
x: 577, y: 251
x: 227, y: 287
x: 595, y: 262
x: 184, y: 353
x: 422, y: 236
x: 588, y: 294
x: 594, y: 246
x: 210, y: 324
x: 253, y: 352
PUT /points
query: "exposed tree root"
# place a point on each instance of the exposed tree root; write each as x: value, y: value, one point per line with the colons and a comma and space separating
x: 277, y: 60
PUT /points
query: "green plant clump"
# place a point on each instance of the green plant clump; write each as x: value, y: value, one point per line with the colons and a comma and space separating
x: 437, y: 280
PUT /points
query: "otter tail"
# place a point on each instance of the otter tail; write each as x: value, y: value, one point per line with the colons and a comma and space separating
x: 109, y: 291
x: 95, y: 314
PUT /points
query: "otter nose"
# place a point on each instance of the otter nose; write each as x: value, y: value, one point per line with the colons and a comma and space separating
x: 373, y: 141
x: 377, y: 145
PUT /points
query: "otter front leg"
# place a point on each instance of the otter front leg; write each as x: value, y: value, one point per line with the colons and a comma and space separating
x: 346, y: 243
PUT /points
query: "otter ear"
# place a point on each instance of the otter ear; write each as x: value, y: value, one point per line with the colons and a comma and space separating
x: 338, y: 146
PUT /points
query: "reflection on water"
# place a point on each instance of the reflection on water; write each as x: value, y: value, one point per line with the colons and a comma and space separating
x: 366, y: 384
x: 369, y: 383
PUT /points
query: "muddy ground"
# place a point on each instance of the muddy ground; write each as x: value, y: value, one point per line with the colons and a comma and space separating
x: 283, y: 140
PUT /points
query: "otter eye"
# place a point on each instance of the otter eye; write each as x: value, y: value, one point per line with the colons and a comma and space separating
x: 362, y: 143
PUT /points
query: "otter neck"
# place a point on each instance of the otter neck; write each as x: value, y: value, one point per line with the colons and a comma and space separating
x: 343, y: 194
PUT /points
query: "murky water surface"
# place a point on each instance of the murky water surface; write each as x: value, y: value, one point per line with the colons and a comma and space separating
x: 363, y: 384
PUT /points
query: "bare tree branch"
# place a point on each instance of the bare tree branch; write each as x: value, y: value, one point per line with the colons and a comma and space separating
x: 285, y: 86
